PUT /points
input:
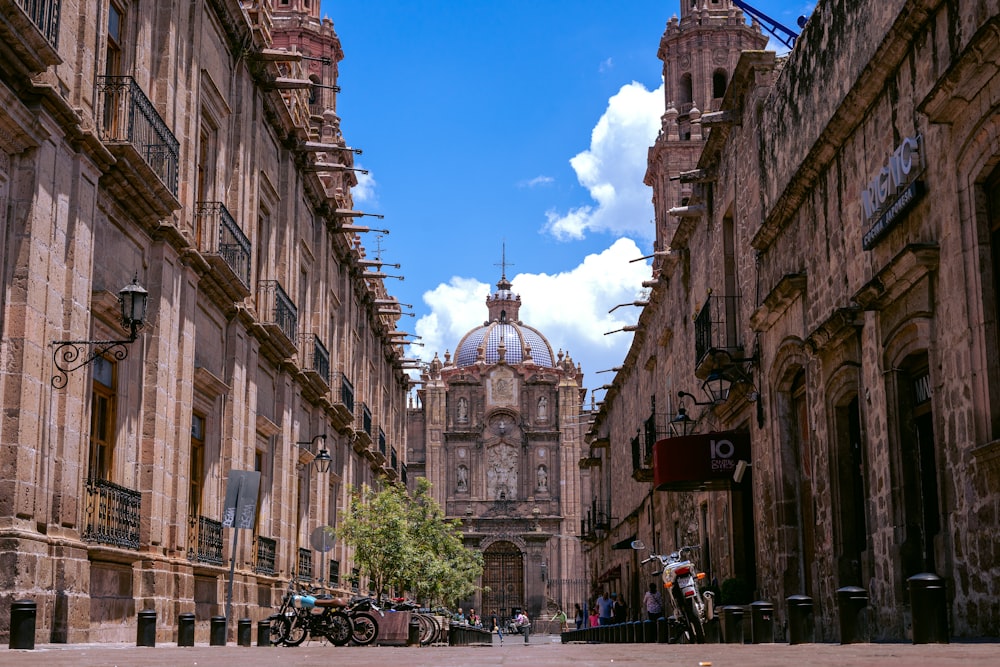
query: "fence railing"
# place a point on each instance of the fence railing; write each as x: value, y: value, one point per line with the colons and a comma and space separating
x: 218, y: 234
x: 112, y: 514
x: 204, y: 540
x: 125, y: 115
x: 264, y: 555
x: 45, y: 15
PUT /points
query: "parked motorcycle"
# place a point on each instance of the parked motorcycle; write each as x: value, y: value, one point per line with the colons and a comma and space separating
x: 303, y: 613
x: 692, y: 607
x: 364, y: 614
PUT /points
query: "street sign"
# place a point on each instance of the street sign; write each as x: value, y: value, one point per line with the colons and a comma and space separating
x: 322, y: 539
x: 240, y: 510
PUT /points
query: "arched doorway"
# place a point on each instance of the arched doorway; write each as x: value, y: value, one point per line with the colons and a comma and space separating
x: 503, y: 579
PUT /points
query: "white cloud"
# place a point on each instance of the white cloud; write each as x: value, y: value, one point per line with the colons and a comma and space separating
x: 364, y: 191
x: 569, y: 308
x: 606, y: 65
x: 537, y: 180
x: 612, y: 170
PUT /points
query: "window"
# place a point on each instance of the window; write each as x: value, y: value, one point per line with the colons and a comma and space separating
x: 102, y: 420
x: 719, y: 83
x: 113, y: 54
x: 197, y: 471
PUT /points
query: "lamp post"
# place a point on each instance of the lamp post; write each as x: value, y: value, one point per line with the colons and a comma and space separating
x: 70, y: 355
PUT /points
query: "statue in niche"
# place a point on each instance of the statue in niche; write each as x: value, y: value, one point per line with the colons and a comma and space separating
x: 543, y: 408
x: 463, y: 410
x: 463, y: 478
x: 543, y: 478
x: 501, y: 473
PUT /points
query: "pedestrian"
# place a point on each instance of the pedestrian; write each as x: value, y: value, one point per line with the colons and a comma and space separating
x: 474, y: 619
x: 578, y: 617
x: 619, y: 610
x: 653, y: 601
x: 523, y: 624
x: 593, y: 620
x: 605, y: 604
x: 495, y: 620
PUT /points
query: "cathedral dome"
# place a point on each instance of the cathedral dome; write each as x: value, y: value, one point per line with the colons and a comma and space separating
x: 503, y: 336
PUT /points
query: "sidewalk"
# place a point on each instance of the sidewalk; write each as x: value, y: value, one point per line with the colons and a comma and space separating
x: 543, y: 651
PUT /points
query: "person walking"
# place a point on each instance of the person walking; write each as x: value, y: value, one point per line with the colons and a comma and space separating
x: 578, y: 617
x: 495, y: 620
x: 605, y: 605
x: 619, y: 610
x: 523, y: 624
x: 653, y: 601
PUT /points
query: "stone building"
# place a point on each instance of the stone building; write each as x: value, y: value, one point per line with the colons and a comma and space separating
x: 833, y: 271
x: 498, y: 432
x: 192, y: 151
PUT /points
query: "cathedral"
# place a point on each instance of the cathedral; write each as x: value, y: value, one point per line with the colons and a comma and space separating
x: 498, y: 431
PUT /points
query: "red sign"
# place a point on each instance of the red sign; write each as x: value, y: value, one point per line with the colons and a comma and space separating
x: 690, y: 462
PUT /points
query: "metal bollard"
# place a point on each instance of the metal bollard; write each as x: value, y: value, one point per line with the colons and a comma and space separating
x: 264, y: 632
x: 801, y: 629
x: 851, y: 603
x: 930, y: 609
x: 662, y: 630
x: 762, y: 622
x: 217, y: 631
x: 22, y: 624
x: 185, y: 629
x: 732, y: 624
x: 648, y: 631
x: 243, y: 631
x: 145, y: 629
x: 413, y: 632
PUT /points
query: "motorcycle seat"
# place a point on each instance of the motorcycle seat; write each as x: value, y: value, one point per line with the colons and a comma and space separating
x: 331, y: 602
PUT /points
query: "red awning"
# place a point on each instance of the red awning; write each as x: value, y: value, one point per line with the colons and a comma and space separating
x: 610, y: 573
x: 693, y: 461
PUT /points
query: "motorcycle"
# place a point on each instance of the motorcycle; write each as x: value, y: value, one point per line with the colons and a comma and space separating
x: 303, y: 614
x: 692, y: 608
x: 362, y: 612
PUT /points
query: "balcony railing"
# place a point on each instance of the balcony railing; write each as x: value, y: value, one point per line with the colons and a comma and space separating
x: 218, y: 234
x: 112, y: 514
x: 204, y: 540
x: 277, y: 309
x: 304, y: 567
x: 45, y: 15
x: 381, y: 442
x: 393, y: 460
x: 264, y: 555
x: 715, y: 326
x: 125, y: 115
x: 344, y: 392
x: 315, y: 357
x: 366, y: 419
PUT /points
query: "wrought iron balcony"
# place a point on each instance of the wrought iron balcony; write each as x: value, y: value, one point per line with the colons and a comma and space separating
x: 381, y: 442
x: 315, y: 358
x: 29, y: 35
x: 393, y: 460
x: 277, y: 312
x: 45, y: 15
x: 204, y: 540
x: 342, y: 398
x: 265, y: 551
x: 112, y: 514
x: 126, y: 116
x: 716, y: 329
x: 224, y: 244
x: 304, y: 566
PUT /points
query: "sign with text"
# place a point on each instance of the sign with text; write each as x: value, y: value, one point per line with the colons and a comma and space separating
x: 240, y: 510
x: 706, y: 460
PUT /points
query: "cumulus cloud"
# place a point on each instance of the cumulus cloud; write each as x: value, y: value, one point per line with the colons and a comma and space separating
x: 364, y: 191
x: 612, y: 170
x: 569, y: 308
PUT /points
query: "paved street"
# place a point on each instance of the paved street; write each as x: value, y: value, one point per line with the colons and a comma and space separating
x: 543, y: 651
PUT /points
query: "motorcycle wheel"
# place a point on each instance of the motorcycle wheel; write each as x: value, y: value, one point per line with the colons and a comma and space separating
x: 365, y: 629
x: 279, y: 629
x: 296, y: 631
x: 428, y: 629
x: 338, y: 628
x: 694, y: 621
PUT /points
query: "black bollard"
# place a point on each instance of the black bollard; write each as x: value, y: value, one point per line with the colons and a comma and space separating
x: 217, y: 631
x: 648, y: 631
x: 264, y: 632
x: 801, y: 628
x: 145, y: 632
x: 930, y: 609
x: 243, y: 631
x: 22, y: 624
x: 732, y: 624
x: 851, y: 604
x: 662, y: 630
x: 185, y: 629
x: 413, y: 632
x: 762, y: 622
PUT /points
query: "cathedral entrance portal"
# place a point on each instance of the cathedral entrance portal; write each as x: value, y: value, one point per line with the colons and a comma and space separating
x: 503, y: 579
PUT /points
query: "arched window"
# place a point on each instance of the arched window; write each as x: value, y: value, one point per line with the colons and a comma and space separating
x: 719, y: 82
x: 685, y: 91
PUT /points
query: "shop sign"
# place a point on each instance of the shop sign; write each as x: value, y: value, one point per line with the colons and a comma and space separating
x: 702, y: 460
x: 891, y: 192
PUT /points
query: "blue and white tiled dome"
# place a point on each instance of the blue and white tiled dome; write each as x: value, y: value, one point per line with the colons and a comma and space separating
x: 503, y: 335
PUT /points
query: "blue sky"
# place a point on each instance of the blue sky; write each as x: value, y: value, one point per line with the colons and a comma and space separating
x: 509, y: 122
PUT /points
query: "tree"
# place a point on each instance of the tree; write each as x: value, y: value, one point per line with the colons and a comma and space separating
x: 407, y: 542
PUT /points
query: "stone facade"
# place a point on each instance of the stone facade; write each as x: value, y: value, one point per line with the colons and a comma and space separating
x: 841, y: 230
x: 177, y: 145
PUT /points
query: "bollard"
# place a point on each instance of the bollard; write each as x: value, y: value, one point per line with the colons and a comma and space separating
x: 217, y: 631
x: 264, y: 632
x: 930, y: 609
x: 648, y: 631
x: 762, y: 622
x: 851, y: 603
x: 800, y: 620
x: 662, y: 630
x: 732, y: 624
x: 413, y: 632
x: 243, y: 631
x: 185, y: 629
x: 145, y: 629
x: 22, y: 624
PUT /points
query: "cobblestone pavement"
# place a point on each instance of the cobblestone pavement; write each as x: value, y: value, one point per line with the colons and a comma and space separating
x: 543, y: 651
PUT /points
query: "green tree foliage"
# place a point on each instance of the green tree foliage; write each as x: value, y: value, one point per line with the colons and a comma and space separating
x: 405, y: 541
